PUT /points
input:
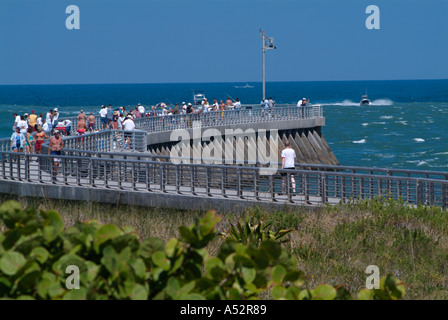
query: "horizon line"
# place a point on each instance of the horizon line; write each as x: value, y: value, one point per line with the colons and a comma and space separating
x: 214, y: 82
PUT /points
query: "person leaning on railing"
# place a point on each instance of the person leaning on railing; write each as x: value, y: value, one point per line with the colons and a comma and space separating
x: 302, y: 104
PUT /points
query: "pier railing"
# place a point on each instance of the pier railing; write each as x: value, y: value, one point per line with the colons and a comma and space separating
x: 228, y: 117
x: 220, y: 181
x: 368, y: 171
x: 106, y: 141
x: 5, y: 144
x: 247, y: 114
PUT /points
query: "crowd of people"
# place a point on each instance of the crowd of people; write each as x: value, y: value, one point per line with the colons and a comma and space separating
x: 109, y: 115
x: 31, y: 130
x: 122, y: 119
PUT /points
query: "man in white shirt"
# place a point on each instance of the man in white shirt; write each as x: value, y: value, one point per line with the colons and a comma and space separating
x: 45, y: 127
x: 16, y: 120
x: 128, y: 124
x: 55, y: 117
x: 120, y: 122
x: 302, y: 104
x: 48, y: 118
x: 141, y: 109
x: 103, y: 115
x: 288, y: 163
x: 237, y: 104
x: 68, y: 126
x: 39, y: 120
x: 23, y: 125
x: 184, y: 108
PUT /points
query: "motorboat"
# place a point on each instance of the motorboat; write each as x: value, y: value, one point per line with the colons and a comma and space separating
x: 247, y: 86
x: 364, y: 101
x: 198, y: 97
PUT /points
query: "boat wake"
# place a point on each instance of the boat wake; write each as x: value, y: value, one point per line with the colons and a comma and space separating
x: 350, y: 103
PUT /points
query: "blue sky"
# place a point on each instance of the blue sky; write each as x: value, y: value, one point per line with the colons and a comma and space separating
x: 175, y: 41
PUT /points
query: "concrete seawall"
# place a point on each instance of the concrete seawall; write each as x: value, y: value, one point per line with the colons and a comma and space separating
x: 135, y: 198
x: 309, y: 144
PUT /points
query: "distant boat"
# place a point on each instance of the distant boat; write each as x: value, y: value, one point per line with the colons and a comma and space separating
x: 364, y: 101
x: 247, y: 86
x: 198, y: 97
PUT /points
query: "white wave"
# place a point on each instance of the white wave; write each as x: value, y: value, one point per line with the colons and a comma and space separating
x: 379, y: 122
x: 382, y: 102
x: 349, y: 103
x: 440, y: 153
x: 404, y: 122
x: 419, y: 140
x: 386, y: 156
x: 386, y: 117
x: 419, y: 162
x: 360, y: 141
x: 365, y: 124
x: 393, y: 134
x: 345, y: 103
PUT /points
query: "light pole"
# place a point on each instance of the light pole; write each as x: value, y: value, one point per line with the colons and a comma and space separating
x: 268, y: 44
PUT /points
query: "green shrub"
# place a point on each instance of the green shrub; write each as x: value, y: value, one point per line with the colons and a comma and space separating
x: 36, y: 250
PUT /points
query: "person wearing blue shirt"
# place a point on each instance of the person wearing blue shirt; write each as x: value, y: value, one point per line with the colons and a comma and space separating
x: 17, y: 141
x: 110, y: 113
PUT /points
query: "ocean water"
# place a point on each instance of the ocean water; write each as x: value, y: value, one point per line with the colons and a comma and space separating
x: 405, y: 127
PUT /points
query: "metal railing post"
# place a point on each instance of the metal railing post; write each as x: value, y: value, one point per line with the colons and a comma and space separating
x: 177, y: 179
x: 256, y: 193
x: 133, y: 177
x: 120, y: 177
x: 162, y: 178
x: 19, y: 167
x: 223, y: 179
x: 4, y: 166
x: 27, y: 168
x: 90, y: 169
x: 324, y: 188
x: 238, y: 183
x: 148, y: 178
x: 207, y: 182
x: 64, y: 171
x: 288, y: 186
x: 418, y: 194
x: 106, y: 184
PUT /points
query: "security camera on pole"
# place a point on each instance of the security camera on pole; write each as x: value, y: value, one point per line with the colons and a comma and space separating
x: 268, y: 44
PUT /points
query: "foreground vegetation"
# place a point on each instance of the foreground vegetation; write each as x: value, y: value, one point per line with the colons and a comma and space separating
x: 332, y: 245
